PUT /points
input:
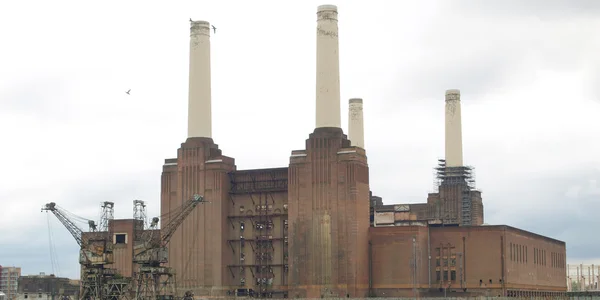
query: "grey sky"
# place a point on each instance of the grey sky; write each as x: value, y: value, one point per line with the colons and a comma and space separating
x: 527, y: 71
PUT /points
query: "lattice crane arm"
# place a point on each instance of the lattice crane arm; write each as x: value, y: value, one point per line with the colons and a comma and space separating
x: 177, y: 220
x: 60, y: 214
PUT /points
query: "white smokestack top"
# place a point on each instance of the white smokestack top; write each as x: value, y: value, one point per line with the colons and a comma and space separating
x: 356, y: 129
x: 199, y: 106
x: 328, y: 68
x: 454, y: 155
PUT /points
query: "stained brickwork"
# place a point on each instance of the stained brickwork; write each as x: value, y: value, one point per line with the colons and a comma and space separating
x: 465, y: 260
x: 198, y: 249
x: 329, y: 217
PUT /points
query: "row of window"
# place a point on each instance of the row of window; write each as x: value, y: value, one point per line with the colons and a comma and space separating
x: 539, y: 256
x: 520, y: 254
x: 558, y: 260
x: 438, y: 275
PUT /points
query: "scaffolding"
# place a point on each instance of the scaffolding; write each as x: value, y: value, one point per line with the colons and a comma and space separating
x: 463, y: 179
x: 583, y: 278
x: 140, y: 219
x: 266, y: 221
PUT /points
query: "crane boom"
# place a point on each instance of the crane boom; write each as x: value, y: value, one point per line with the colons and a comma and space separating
x: 97, y: 281
x: 176, y: 221
x: 151, y: 249
x: 154, y: 281
x: 73, y: 229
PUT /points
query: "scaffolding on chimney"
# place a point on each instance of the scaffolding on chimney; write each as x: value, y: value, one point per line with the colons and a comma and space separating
x: 462, y: 177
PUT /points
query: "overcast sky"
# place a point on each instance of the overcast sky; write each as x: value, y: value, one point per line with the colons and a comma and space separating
x: 528, y: 71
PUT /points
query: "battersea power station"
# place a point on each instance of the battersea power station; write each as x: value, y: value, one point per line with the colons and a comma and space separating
x: 314, y: 229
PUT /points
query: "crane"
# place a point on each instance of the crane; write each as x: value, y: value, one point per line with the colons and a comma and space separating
x: 154, y: 281
x: 95, y: 252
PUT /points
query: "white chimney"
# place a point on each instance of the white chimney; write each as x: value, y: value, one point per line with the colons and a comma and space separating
x: 454, y: 155
x: 356, y: 130
x: 199, y: 106
x: 328, y: 68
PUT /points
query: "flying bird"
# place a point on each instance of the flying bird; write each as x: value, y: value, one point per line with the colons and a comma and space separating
x: 128, y: 92
x: 214, y: 28
x: 191, y: 20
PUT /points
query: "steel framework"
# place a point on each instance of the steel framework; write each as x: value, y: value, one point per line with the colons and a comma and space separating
x: 462, y: 179
x: 154, y: 281
x: 259, y: 186
x: 97, y: 281
x: 140, y: 218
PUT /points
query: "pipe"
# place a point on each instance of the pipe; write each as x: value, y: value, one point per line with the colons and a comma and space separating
x: 371, y: 294
x: 199, y: 97
x: 328, y: 68
x: 453, y: 143
x: 503, y: 262
x: 429, y: 255
x: 356, y: 131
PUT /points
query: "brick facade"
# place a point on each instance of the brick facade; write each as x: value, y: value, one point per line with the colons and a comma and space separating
x: 465, y: 261
x: 328, y: 217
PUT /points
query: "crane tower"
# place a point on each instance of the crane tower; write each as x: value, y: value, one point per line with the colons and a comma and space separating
x: 97, y: 281
x: 154, y: 281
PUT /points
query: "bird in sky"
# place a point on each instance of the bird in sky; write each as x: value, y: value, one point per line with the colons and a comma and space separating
x: 191, y: 20
x: 128, y: 92
x: 214, y: 28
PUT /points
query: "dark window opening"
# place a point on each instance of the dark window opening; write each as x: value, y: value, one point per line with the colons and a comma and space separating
x: 120, y: 238
x: 437, y: 276
x: 453, y: 275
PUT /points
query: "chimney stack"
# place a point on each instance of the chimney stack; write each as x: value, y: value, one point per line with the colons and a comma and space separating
x: 454, y: 155
x: 199, y: 97
x: 356, y: 130
x: 328, y: 68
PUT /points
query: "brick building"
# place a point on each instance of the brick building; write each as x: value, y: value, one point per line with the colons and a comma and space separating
x: 303, y: 230
x: 465, y: 261
x: 42, y: 287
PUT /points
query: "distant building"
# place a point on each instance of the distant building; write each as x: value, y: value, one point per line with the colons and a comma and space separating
x: 42, y: 287
x: 9, y: 277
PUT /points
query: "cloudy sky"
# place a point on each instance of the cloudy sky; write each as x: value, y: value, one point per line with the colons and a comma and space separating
x: 528, y: 71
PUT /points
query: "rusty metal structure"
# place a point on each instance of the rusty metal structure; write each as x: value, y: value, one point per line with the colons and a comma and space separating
x: 153, y: 281
x: 98, y: 282
x: 262, y: 229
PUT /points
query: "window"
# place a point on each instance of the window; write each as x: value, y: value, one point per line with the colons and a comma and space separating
x: 453, y: 275
x: 121, y: 238
x: 437, y: 276
x: 446, y: 275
